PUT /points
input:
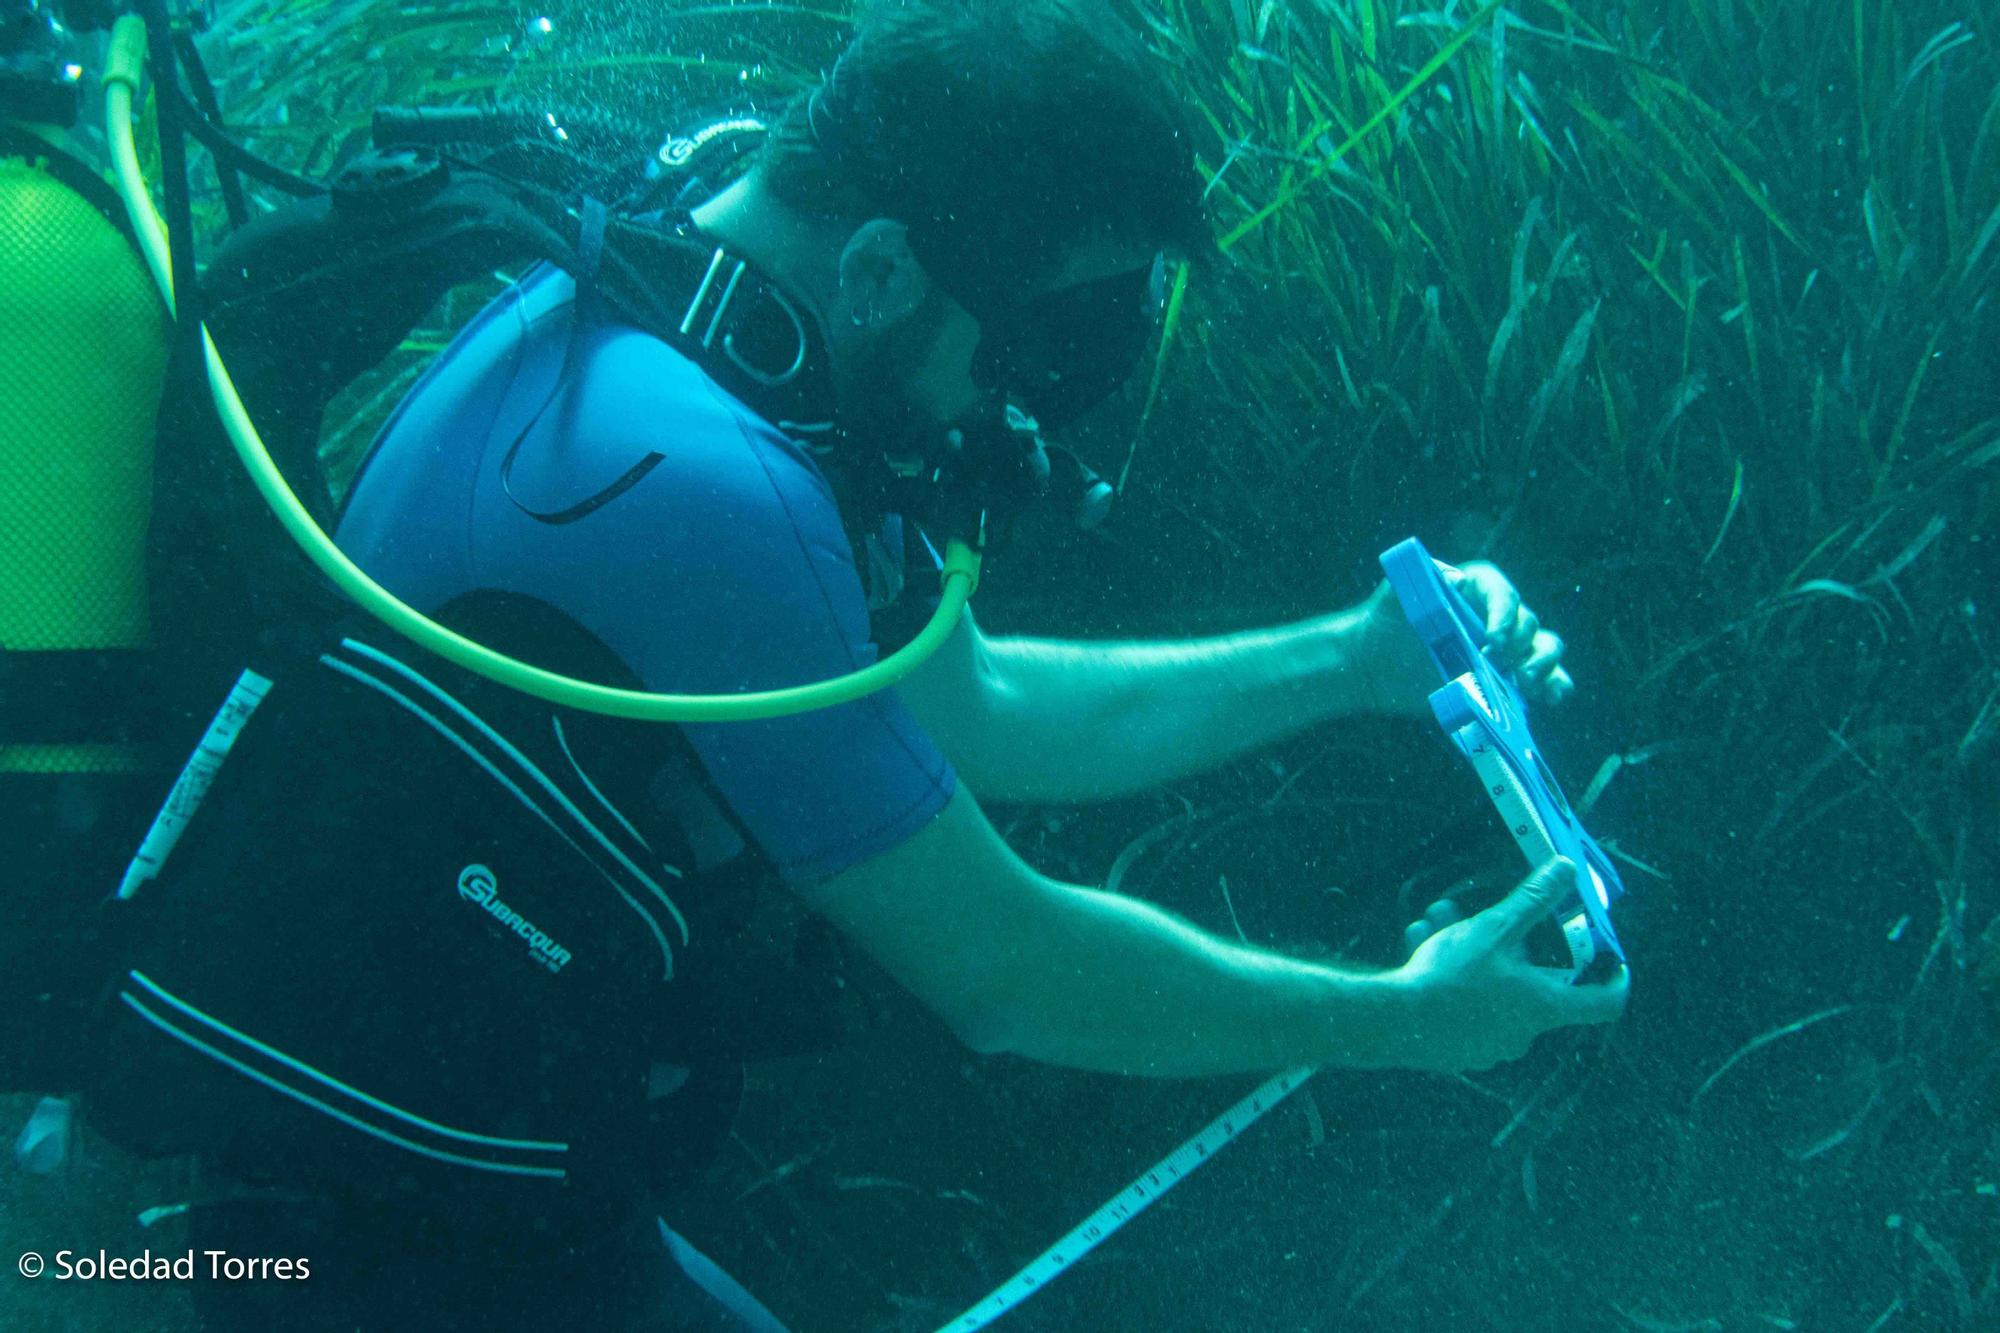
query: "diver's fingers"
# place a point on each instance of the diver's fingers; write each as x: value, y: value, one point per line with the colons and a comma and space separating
x: 1544, y: 660
x: 1518, y: 640
x: 1503, y: 604
x: 1545, y: 655
x: 1491, y: 594
x: 1532, y: 899
x: 1414, y: 936
x: 1593, y: 1002
x: 1444, y: 912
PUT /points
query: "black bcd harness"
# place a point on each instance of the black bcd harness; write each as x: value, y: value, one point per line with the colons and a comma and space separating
x: 455, y: 197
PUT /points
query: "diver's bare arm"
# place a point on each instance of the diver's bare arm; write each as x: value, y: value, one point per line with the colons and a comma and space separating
x: 1054, y: 721
x: 1014, y: 962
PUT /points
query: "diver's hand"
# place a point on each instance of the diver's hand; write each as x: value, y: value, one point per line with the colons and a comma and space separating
x: 1515, y: 641
x: 1474, y: 999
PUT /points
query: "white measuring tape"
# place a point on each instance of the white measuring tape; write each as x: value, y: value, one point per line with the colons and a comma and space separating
x: 192, y: 786
x: 1128, y: 1203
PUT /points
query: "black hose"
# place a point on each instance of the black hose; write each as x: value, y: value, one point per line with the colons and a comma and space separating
x: 239, y: 158
x: 493, y: 125
x: 211, y: 110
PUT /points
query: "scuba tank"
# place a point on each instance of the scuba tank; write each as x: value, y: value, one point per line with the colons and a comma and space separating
x: 82, y: 366
x: 83, y: 358
x: 84, y: 351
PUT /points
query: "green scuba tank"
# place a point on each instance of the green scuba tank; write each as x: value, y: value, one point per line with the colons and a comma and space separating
x: 84, y: 347
x: 83, y: 353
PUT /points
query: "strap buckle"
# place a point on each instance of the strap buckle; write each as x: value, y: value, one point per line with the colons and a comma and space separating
x: 726, y: 272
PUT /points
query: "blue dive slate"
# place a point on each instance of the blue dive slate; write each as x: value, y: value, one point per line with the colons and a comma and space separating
x: 1483, y: 713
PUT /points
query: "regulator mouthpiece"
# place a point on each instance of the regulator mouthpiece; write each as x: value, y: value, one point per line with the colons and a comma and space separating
x: 1074, y: 484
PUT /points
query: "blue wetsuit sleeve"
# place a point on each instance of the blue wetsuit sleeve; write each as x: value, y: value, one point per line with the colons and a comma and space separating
x: 605, y: 475
x: 821, y: 791
x: 734, y: 573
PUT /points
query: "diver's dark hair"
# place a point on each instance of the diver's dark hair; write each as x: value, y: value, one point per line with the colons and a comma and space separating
x: 1002, y: 132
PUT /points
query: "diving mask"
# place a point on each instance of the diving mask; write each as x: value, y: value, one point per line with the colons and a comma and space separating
x: 1061, y: 354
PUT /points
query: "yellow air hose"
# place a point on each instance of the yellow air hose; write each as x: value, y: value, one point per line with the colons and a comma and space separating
x: 960, y: 574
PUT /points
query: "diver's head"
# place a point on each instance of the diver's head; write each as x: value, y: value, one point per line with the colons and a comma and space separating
x: 1001, y: 180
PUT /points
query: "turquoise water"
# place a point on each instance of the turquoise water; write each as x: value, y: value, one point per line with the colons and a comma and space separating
x: 1681, y: 313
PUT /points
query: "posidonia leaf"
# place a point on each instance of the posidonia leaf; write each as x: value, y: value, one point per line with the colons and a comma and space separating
x: 1170, y: 324
x: 1729, y: 515
x: 1834, y: 588
x: 1382, y: 113
x: 1908, y: 556
x: 1947, y: 39
x: 1986, y: 235
x: 1571, y: 358
x: 1757, y: 196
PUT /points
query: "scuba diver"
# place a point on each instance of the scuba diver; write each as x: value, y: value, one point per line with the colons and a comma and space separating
x: 447, y: 985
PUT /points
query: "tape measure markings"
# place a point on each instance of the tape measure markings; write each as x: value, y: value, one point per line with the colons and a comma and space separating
x: 1134, y: 1199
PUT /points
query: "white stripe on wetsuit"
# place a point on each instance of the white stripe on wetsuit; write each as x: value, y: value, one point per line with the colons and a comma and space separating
x: 507, y: 747
x: 397, y: 696
x: 591, y: 787
x: 222, y: 1032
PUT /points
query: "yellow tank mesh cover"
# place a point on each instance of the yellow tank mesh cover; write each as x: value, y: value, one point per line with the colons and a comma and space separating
x: 83, y: 349
x: 93, y: 757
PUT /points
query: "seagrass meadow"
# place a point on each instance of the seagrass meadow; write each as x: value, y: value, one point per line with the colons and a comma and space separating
x: 1685, y: 314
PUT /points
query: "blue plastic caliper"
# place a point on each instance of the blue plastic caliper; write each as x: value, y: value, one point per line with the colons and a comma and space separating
x: 1483, y: 713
